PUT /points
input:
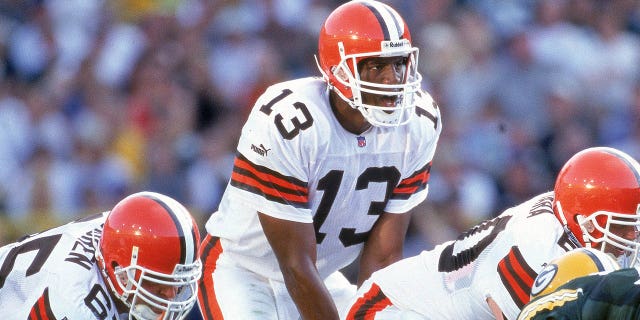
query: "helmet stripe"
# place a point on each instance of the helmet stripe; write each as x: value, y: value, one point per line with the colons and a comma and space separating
x: 630, y: 162
x: 595, y: 260
x: 389, y: 20
x: 186, y: 234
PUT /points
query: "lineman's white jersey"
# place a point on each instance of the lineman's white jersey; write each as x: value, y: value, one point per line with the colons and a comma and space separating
x: 295, y: 162
x: 53, y: 275
x: 499, y: 258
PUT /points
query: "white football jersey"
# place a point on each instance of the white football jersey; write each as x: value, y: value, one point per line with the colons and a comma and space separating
x: 53, y: 275
x: 499, y: 258
x: 296, y: 162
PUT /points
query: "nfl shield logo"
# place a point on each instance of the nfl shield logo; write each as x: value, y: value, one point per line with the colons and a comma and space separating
x: 361, y: 142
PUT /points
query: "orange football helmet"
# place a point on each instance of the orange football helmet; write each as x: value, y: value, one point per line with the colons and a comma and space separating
x: 358, y: 30
x: 148, y: 254
x: 597, y: 199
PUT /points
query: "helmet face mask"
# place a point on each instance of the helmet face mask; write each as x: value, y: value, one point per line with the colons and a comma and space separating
x: 359, y: 30
x: 607, y: 230
x: 597, y: 199
x: 403, y: 92
x: 146, y: 291
x: 148, y: 255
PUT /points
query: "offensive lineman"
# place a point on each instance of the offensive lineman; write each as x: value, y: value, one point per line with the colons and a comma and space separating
x: 137, y: 261
x: 488, y: 271
x: 326, y: 169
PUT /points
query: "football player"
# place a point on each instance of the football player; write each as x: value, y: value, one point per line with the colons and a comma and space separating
x: 326, y: 170
x: 138, y: 261
x: 489, y: 270
x: 585, y: 293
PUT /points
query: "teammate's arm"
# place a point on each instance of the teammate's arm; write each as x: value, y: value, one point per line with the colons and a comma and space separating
x: 384, y: 245
x: 294, y: 245
x: 495, y: 309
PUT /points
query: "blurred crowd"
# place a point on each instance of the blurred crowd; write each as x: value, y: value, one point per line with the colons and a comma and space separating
x: 102, y: 98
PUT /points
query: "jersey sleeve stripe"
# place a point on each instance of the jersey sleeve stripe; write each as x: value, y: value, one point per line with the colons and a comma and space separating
x: 416, y: 182
x: 368, y: 305
x: 517, y: 276
x: 210, y: 252
x: 267, y: 175
x: 268, y: 183
x: 41, y: 310
x: 510, y: 283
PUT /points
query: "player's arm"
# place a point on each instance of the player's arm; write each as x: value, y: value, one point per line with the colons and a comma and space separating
x: 294, y: 245
x: 495, y: 309
x: 384, y: 245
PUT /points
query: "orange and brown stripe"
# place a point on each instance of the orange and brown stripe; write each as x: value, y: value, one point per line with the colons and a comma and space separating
x: 369, y: 304
x: 41, y: 310
x: 517, y: 276
x: 210, y: 251
x: 268, y: 183
x: 416, y: 182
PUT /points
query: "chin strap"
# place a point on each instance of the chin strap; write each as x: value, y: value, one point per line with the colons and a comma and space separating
x: 324, y: 75
x: 572, y: 237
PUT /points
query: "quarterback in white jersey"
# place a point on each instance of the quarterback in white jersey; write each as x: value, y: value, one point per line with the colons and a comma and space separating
x: 106, y: 266
x: 488, y: 271
x: 326, y: 169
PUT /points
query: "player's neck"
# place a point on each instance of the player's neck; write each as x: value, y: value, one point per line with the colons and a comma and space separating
x: 349, y: 118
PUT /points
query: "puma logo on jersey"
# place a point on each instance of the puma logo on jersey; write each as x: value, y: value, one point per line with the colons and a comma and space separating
x: 262, y: 150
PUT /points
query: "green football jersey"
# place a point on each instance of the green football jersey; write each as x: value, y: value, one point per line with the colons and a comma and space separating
x: 615, y: 295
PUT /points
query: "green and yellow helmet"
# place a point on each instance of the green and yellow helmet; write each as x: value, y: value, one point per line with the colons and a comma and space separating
x: 573, y: 264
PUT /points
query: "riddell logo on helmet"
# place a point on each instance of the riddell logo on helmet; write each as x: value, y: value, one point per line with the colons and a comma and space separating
x: 391, y: 45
